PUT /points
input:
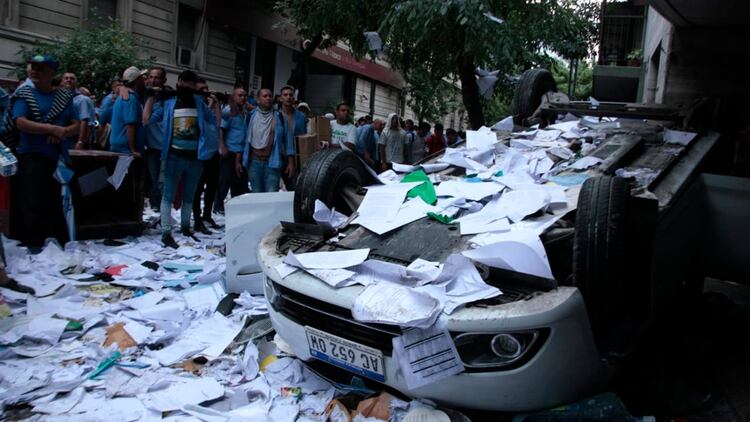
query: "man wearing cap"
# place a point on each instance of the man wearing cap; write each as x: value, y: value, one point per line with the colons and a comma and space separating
x: 304, y: 108
x: 44, y: 118
x: 190, y: 137
x: 83, y: 109
x: 126, y: 135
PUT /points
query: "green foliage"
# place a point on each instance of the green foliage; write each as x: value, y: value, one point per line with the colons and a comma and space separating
x: 335, y: 20
x: 584, y: 81
x: 95, y: 55
x: 430, y: 97
x: 497, y: 108
x: 434, y: 38
x: 635, y: 54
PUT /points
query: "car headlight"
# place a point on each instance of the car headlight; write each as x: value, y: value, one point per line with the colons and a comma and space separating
x: 496, y: 350
x: 269, y: 291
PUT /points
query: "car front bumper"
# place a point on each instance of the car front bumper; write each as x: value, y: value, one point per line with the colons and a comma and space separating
x: 567, y: 366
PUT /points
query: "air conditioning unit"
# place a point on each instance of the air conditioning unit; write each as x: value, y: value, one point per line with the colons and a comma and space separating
x: 185, y: 57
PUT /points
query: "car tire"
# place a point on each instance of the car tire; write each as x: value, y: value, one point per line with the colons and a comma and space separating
x: 600, y: 269
x: 528, y: 96
x: 323, y: 177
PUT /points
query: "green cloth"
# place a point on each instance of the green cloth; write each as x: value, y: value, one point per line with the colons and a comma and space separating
x: 73, y: 326
x: 425, y: 191
x: 440, y: 217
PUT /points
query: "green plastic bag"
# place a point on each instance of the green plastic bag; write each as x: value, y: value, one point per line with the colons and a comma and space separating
x: 425, y: 191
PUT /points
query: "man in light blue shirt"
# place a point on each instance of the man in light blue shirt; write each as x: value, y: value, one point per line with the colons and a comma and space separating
x: 83, y: 109
x: 108, y: 102
x: 231, y: 146
x: 268, y: 151
x: 126, y: 135
x: 154, y: 133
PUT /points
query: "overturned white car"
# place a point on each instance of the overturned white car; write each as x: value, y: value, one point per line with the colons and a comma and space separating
x: 568, y: 261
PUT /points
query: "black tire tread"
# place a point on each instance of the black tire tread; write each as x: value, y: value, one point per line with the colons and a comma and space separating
x: 527, y: 97
x: 599, y: 263
x: 316, y: 178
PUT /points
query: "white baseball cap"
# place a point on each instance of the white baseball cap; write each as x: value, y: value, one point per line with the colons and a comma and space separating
x: 132, y: 73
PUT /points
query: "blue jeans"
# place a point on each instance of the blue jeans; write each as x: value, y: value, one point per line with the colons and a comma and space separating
x: 262, y: 177
x: 155, y: 174
x: 174, y: 167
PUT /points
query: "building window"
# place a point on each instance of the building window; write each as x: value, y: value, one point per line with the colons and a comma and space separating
x: 101, y: 12
x: 187, y: 34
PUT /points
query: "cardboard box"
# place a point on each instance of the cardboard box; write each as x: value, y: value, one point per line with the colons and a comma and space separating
x: 322, y: 127
x: 306, y: 146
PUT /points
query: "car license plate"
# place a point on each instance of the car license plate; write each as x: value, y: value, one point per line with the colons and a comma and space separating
x: 353, y: 357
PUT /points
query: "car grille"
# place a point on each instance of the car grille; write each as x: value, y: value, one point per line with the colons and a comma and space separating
x: 332, y: 319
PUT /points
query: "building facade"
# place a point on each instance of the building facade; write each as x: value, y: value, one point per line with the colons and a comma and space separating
x: 226, y: 42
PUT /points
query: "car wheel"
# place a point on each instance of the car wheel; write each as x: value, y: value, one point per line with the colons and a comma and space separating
x: 528, y: 96
x: 330, y: 175
x: 599, y: 255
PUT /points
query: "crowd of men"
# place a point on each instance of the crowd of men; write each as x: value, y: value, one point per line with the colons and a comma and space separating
x: 187, y: 138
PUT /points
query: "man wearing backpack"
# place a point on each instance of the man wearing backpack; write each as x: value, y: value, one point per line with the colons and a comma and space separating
x: 44, y: 118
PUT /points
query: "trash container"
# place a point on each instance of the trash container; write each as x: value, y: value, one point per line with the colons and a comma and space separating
x: 101, y: 211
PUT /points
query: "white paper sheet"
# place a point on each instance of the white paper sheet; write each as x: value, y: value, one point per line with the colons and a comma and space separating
x: 426, y: 356
x: 388, y: 303
x: 61, y: 405
x: 547, y: 135
x: 176, y: 396
x: 476, y: 225
x: 520, y: 251
x: 137, y: 332
x: 678, y: 137
x: 461, y: 283
x: 286, y: 270
x: 42, y: 284
x: 428, y: 168
x: 424, y: 271
x: 327, y: 260
x: 177, y: 351
x: 565, y: 126
x: 328, y: 217
x: 121, y: 170
x: 505, y: 125
x: 585, y: 162
x: 468, y: 190
x: 374, y: 271
x: 411, y: 211
x: 39, y: 327
x: 514, y: 205
x: 216, y: 332
x: 381, y: 203
x: 144, y: 301
x: 204, y: 296
x: 167, y: 311
x: 337, y: 277
x: 480, y: 140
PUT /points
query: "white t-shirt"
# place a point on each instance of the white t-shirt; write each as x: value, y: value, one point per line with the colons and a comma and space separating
x: 343, y: 133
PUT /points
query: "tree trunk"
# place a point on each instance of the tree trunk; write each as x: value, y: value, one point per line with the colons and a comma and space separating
x: 298, y: 75
x: 470, y: 91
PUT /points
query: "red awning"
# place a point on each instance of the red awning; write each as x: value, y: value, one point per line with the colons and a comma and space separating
x: 339, y: 57
x: 238, y: 15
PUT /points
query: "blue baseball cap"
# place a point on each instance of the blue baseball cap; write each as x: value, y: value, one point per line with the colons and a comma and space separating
x: 45, y: 59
